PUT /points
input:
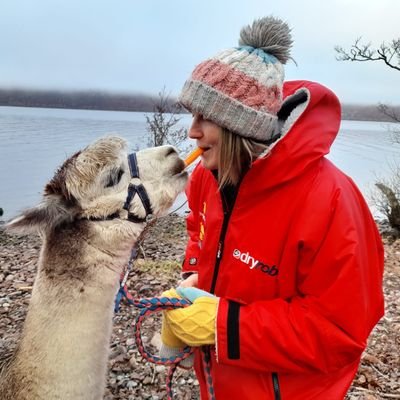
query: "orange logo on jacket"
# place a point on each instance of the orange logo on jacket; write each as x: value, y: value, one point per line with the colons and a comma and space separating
x: 202, y: 223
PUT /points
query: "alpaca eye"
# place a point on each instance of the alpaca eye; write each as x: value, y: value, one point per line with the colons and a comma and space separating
x: 114, y: 178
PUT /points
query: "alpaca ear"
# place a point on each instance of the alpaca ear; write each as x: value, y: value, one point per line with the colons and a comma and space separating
x: 44, y: 217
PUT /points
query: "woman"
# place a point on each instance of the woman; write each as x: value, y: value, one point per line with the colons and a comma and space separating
x: 282, y: 240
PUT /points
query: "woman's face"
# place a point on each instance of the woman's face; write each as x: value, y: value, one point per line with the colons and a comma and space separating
x: 208, y: 137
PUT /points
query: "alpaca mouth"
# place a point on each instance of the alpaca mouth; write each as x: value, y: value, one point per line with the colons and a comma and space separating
x: 182, y: 174
x: 179, y: 168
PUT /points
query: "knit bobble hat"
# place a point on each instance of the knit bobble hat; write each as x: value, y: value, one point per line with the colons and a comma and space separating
x: 241, y: 88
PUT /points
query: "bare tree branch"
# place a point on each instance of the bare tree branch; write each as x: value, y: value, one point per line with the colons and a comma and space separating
x: 394, y: 115
x: 390, y: 112
x: 162, y: 124
x: 387, y: 198
x: 387, y: 53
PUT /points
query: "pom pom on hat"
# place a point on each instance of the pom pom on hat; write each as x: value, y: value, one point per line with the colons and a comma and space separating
x: 241, y: 88
x: 269, y: 34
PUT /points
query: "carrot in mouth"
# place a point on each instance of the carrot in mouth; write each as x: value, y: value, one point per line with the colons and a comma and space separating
x: 193, y: 156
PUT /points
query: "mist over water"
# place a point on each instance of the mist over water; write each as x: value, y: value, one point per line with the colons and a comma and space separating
x: 35, y: 141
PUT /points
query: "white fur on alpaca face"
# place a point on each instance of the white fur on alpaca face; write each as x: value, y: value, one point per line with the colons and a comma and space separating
x: 100, y: 177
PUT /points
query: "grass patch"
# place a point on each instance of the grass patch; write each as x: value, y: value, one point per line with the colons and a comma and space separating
x: 167, y: 266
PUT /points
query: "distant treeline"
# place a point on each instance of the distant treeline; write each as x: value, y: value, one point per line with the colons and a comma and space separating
x: 366, y: 113
x: 87, y: 100
x: 96, y: 100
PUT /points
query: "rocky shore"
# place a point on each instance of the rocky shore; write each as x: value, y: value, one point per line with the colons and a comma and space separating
x: 130, y: 377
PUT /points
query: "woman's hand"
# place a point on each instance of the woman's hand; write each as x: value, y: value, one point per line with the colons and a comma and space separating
x: 191, y: 281
x: 195, y: 324
x: 171, y: 346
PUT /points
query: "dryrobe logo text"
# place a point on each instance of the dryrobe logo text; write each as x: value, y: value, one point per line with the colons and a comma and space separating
x: 253, y: 263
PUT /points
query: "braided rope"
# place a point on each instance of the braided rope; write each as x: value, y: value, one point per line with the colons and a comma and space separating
x: 207, y: 371
x: 156, y: 304
x: 149, y: 306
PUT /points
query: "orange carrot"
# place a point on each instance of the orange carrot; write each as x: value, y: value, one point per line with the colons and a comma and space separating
x: 193, y: 156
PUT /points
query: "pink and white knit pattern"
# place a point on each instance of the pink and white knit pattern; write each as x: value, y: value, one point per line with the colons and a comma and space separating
x: 239, y: 89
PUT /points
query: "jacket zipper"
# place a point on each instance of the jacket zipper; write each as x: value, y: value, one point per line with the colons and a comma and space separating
x: 219, y: 251
x: 275, y: 384
x: 220, y: 248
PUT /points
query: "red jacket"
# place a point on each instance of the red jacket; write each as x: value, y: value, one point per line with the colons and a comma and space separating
x: 298, y: 266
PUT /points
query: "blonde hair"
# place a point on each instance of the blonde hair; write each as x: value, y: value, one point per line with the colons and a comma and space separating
x: 236, y: 156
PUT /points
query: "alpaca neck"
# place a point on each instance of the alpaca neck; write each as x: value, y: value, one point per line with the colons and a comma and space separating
x: 65, y: 343
x: 69, y: 340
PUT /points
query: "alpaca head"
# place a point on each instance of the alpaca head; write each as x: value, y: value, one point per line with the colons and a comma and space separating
x: 93, y: 185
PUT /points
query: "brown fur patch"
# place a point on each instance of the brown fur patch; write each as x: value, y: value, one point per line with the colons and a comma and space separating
x: 63, y: 256
x: 57, y: 184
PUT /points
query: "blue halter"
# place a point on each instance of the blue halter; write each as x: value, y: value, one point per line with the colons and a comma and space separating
x: 136, y: 189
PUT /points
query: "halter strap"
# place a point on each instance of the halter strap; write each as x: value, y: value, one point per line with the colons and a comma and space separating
x: 141, y: 192
x: 136, y: 189
x: 133, y: 165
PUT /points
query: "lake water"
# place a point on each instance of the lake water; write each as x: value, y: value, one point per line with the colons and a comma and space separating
x: 35, y: 141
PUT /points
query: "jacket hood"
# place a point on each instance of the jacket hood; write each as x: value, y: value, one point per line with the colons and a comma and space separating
x: 307, y: 135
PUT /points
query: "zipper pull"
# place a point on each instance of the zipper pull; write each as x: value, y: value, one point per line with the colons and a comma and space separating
x: 219, y: 251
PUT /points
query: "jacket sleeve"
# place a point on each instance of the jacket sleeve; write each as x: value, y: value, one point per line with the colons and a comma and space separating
x: 339, y: 298
x: 192, y: 224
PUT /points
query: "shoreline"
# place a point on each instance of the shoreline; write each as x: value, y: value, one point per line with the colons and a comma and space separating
x: 104, y: 101
x: 157, y: 270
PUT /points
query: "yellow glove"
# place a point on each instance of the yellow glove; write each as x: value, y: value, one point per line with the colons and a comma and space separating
x: 194, y: 325
x: 167, y: 336
x: 170, y: 345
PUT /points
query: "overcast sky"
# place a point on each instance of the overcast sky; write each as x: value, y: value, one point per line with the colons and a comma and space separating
x: 140, y: 46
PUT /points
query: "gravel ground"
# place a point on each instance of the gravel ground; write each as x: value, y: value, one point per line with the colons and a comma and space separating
x: 129, y: 376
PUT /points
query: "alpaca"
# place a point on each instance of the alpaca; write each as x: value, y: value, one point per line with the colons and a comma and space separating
x: 87, y: 238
